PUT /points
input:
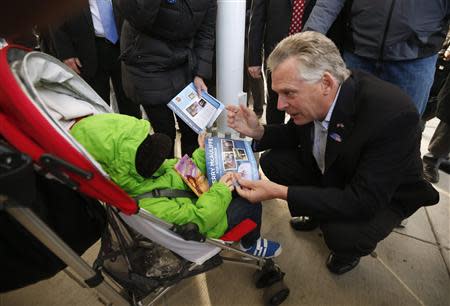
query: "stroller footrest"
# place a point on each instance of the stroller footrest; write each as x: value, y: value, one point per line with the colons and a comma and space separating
x: 239, y: 231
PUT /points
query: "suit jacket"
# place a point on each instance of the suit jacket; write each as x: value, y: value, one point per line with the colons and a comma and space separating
x: 372, y: 156
x: 269, y: 24
x: 76, y: 38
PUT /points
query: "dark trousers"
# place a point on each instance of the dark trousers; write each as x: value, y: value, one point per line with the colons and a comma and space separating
x: 163, y: 121
x: 241, y: 209
x: 440, y: 141
x: 108, y: 67
x: 347, y: 238
x: 255, y: 87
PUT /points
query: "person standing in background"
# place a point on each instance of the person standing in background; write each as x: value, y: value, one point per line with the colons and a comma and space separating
x: 270, y: 22
x: 166, y: 45
x: 439, y: 147
x: 89, y: 44
x: 253, y: 86
x: 396, y: 40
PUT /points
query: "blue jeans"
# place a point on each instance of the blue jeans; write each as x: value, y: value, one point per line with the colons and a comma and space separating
x: 240, y: 209
x: 415, y: 77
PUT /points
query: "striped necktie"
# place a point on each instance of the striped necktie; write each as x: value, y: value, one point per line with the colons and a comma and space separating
x: 107, y: 17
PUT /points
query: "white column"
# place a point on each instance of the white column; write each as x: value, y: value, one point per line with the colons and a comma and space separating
x: 230, y: 40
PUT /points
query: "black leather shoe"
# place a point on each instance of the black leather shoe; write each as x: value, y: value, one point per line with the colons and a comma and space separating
x: 430, y: 169
x: 304, y: 223
x: 445, y: 166
x: 339, y: 265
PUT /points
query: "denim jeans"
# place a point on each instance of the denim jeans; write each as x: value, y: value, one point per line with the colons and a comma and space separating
x: 240, y: 209
x: 415, y: 77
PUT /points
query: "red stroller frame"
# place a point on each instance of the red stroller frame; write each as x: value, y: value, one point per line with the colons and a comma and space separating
x: 26, y: 127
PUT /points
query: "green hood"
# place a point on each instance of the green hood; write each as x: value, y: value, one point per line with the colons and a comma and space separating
x: 112, y: 139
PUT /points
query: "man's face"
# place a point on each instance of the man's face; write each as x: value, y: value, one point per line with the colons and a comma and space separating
x: 303, y: 101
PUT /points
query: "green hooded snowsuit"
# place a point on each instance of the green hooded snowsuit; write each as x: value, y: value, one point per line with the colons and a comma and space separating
x: 113, y: 139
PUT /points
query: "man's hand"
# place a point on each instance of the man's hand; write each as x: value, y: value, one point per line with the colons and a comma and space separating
x: 74, y: 64
x: 200, y: 85
x: 447, y: 54
x: 245, y: 121
x: 228, y: 179
x: 257, y: 191
x: 255, y: 72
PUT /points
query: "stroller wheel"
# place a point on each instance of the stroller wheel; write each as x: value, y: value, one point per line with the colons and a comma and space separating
x: 276, y: 294
x: 267, y: 276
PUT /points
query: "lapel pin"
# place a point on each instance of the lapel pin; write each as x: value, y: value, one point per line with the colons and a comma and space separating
x: 340, y: 125
x: 336, y: 137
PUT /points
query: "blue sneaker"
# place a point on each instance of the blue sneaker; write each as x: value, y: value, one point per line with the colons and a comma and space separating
x: 263, y: 248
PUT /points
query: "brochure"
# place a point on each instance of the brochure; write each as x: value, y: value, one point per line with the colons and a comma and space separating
x: 197, y: 112
x: 192, y: 175
x: 229, y: 155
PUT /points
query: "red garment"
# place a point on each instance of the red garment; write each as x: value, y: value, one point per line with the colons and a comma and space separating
x: 298, y: 8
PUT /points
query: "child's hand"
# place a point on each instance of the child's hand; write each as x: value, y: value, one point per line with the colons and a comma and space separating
x: 228, y: 179
x: 201, y: 140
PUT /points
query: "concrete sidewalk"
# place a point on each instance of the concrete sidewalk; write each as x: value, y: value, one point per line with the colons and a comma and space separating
x: 410, y: 267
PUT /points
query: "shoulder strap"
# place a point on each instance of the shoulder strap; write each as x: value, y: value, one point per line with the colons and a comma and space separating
x: 169, y: 193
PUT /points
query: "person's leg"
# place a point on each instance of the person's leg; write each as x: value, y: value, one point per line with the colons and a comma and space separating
x: 188, y: 138
x: 256, y: 87
x: 285, y: 167
x: 100, y: 81
x: 415, y: 77
x: 100, y: 84
x: 126, y: 106
x: 350, y: 240
x: 252, y: 243
x: 161, y: 119
x: 273, y: 115
x: 241, y: 209
x: 440, y: 141
x: 354, y: 61
x: 439, y: 149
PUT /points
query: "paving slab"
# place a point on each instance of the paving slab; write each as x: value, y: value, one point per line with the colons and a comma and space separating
x: 58, y: 290
x: 418, y: 226
x: 420, y: 267
x: 439, y: 215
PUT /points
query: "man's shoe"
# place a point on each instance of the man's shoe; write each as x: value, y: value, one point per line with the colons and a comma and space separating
x: 445, y: 166
x: 304, y: 223
x: 430, y: 169
x: 339, y: 265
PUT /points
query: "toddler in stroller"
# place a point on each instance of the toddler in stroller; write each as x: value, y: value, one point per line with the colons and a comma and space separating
x: 137, y: 162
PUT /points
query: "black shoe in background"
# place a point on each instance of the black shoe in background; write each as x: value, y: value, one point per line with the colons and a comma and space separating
x: 304, y: 223
x: 340, y: 265
x: 430, y: 169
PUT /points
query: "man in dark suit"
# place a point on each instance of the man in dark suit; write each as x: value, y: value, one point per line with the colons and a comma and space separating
x: 349, y: 156
x: 270, y: 22
x: 81, y: 42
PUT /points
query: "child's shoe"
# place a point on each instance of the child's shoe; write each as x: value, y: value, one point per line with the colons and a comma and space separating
x: 263, y: 248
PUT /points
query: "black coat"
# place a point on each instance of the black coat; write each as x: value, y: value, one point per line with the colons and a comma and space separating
x: 164, y: 45
x: 269, y: 24
x: 76, y: 38
x: 372, y: 156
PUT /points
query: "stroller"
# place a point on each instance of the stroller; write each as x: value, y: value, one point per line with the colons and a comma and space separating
x: 141, y: 256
